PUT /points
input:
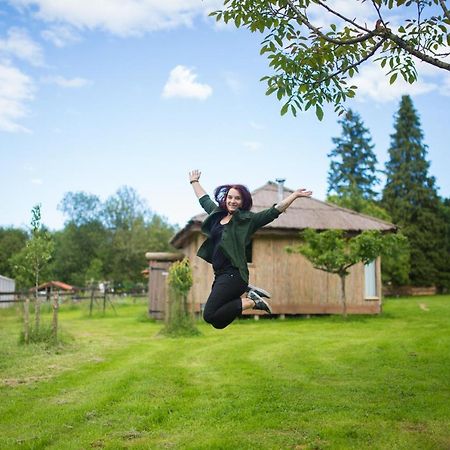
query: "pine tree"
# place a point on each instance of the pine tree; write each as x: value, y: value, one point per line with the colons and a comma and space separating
x: 410, y: 196
x: 353, y: 171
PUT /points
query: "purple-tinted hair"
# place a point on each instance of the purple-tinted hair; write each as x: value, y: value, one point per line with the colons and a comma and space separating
x: 221, y: 192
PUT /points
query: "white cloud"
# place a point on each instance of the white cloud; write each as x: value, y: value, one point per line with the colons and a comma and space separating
x: 68, y: 82
x: 440, y: 77
x: 121, y: 17
x: 252, y: 145
x: 16, y: 89
x: 60, y: 35
x: 19, y: 45
x: 256, y: 125
x: 373, y: 84
x: 181, y: 83
x: 364, y: 13
x: 29, y: 168
x: 37, y: 181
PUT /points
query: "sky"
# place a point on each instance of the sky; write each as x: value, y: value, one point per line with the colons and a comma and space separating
x: 99, y: 94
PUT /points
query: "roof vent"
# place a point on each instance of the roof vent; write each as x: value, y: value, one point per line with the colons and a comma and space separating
x: 280, y: 182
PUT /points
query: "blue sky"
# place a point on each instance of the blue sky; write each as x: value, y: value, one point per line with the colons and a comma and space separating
x: 96, y: 95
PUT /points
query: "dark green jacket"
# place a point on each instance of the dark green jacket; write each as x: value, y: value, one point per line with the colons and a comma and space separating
x: 236, y: 234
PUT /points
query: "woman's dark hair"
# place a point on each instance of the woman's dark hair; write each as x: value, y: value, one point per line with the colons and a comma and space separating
x: 221, y: 192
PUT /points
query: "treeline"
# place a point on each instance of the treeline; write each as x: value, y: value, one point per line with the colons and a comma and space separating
x: 107, y: 241
x: 409, y: 197
x: 100, y: 241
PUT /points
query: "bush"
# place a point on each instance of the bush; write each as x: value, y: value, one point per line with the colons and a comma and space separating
x: 179, y: 321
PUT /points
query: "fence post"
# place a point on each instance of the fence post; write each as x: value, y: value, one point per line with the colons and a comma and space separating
x: 55, y: 316
x: 26, y: 320
x: 91, y: 304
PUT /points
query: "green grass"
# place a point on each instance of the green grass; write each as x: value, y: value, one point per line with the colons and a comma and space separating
x: 322, y: 383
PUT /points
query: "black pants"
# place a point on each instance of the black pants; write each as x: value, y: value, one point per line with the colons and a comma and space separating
x: 224, y: 303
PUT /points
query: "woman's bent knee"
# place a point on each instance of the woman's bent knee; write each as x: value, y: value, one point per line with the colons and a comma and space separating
x: 210, y: 319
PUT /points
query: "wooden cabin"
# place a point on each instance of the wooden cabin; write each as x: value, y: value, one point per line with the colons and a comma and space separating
x: 296, y: 286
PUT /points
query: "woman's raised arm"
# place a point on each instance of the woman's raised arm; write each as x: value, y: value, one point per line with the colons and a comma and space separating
x: 194, y: 176
x: 285, y: 203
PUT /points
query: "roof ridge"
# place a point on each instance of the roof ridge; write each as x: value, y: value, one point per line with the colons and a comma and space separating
x: 271, y: 183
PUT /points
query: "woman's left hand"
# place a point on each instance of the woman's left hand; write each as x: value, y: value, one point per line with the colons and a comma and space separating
x: 302, y: 193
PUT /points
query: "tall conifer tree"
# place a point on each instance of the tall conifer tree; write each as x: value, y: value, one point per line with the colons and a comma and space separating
x: 410, y: 196
x: 353, y: 170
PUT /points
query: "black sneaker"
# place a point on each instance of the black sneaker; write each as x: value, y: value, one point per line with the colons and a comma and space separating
x: 260, y: 303
x: 261, y: 292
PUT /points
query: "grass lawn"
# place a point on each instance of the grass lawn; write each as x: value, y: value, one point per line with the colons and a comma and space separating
x: 322, y: 383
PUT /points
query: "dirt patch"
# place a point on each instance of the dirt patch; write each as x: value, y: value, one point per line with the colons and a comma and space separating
x: 14, y: 382
x: 413, y: 427
x: 423, y: 307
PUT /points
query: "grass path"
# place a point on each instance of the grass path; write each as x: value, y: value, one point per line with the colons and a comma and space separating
x: 364, y: 383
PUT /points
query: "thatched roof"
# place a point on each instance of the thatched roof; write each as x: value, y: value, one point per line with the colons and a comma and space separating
x: 303, y: 213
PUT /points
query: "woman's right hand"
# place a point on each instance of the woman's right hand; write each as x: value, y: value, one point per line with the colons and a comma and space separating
x: 194, y: 175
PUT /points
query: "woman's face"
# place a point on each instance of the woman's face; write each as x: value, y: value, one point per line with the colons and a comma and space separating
x: 234, y: 200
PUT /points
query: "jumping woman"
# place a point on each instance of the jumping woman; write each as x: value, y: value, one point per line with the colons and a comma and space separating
x: 229, y: 227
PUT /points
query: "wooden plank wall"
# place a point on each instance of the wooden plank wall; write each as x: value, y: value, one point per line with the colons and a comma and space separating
x: 296, y: 287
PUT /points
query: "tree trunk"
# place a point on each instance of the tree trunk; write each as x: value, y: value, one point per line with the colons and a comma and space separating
x: 343, y: 297
x: 26, y: 321
x: 37, y: 306
x: 55, y: 316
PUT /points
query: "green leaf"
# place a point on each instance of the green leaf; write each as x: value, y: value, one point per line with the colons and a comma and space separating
x: 393, y: 78
x: 280, y: 93
x: 319, y: 112
x: 284, y: 108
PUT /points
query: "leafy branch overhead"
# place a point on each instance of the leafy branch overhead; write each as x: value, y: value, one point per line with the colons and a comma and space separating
x: 313, y: 62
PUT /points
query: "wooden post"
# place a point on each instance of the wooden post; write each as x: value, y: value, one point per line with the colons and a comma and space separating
x: 55, y: 316
x: 91, y: 304
x: 26, y: 320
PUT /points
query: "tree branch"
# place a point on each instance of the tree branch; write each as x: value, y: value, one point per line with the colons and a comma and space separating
x: 351, y: 66
x: 317, y: 31
x: 380, y: 31
x: 346, y: 19
x: 409, y: 49
x: 444, y: 8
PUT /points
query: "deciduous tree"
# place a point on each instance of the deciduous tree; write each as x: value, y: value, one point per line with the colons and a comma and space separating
x: 334, y: 252
x: 30, y: 262
x: 316, y: 46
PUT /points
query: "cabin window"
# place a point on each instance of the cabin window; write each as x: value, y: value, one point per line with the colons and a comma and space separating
x: 249, y: 252
x: 370, y: 280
